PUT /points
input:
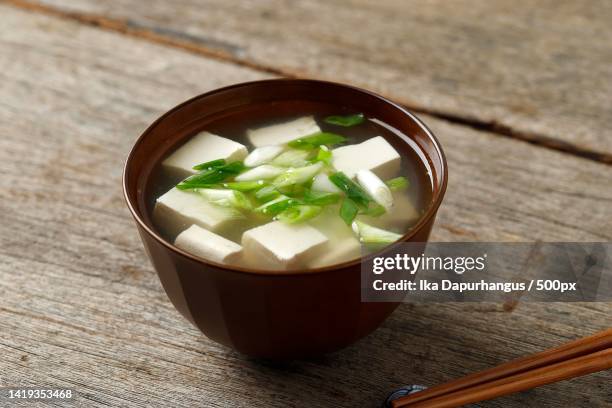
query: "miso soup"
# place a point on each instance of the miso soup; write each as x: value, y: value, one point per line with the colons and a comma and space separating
x: 288, y: 186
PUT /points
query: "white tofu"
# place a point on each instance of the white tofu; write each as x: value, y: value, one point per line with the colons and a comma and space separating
x: 283, y: 132
x: 321, y: 182
x: 202, y: 148
x: 280, y: 246
x: 375, y: 154
x: 176, y: 210
x: 342, y: 246
x: 208, y: 245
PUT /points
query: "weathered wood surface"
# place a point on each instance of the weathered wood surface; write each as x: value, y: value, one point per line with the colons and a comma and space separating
x: 537, y: 70
x: 82, y: 308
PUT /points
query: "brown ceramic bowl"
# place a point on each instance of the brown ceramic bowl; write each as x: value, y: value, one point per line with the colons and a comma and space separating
x: 260, y: 313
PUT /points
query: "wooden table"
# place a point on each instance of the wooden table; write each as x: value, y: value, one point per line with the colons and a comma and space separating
x: 518, y: 92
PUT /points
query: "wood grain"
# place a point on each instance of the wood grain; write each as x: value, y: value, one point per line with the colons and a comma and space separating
x: 82, y: 308
x: 534, y: 71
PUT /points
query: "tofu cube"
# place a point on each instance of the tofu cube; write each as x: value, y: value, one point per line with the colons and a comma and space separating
x: 208, y: 245
x: 283, y: 132
x: 176, y: 210
x: 202, y: 148
x: 375, y: 154
x: 342, y: 243
x: 280, y: 246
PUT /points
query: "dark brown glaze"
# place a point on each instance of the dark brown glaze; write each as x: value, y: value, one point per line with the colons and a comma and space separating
x: 264, y: 313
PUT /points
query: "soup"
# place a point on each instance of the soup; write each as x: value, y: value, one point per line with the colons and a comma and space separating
x: 288, y: 186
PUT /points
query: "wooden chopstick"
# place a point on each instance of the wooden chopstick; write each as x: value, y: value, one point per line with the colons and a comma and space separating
x: 545, y: 360
x: 590, y: 363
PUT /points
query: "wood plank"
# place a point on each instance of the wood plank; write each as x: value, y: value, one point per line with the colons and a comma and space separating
x: 539, y: 72
x: 82, y: 308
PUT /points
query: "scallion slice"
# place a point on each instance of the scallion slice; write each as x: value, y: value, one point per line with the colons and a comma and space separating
x: 299, y: 213
x: 352, y: 189
x: 345, y: 120
x: 266, y: 194
x: 245, y: 185
x: 210, y: 165
x: 226, y: 198
x: 320, y: 197
x: 371, y: 235
x: 317, y: 139
x: 374, y: 210
x: 398, y: 183
x: 291, y: 158
x: 348, y: 211
x: 276, y: 206
x: 215, y: 175
x: 324, y: 155
x: 297, y: 176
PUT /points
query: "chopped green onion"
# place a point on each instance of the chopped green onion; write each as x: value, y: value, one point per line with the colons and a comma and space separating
x: 320, y: 197
x: 398, y: 183
x: 317, y: 139
x: 324, y: 155
x: 245, y: 185
x: 375, y: 210
x: 293, y: 190
x: 371, y: 235
x: 299, y: 213
x: 297, y: 176
x: 207, y: 177
x: 346, y: 121
x: 263, y: 172
x: 210, y: 165
x: 262, y: 155
x: 352, y: 189
x: 226, y: 198
x: 291, y: 158
x: 267, y: 193
x: 277, y: 205
x: 348, y: 211
x: 375, y: 188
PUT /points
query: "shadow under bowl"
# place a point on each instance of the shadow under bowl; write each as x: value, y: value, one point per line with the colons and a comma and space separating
x: 259, y: 313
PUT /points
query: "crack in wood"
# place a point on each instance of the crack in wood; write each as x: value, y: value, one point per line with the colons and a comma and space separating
x: 227, y: 52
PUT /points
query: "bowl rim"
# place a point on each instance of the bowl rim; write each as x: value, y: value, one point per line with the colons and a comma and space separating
x: 425, y: 218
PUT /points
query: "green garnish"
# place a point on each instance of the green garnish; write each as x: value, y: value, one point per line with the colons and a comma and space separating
x: 245, y: 185
x: 299, y: 213
x: 352, y: 189
x: 398, y: 183
x: 282, y: 189
x: 320, y: 197
x: 266, y: 194
x: 226, y: 198
x: 375, y: 210
x: 348, y: 211
x: 297, y: 176
x: 212, y: 176
x: 291, y: 158
x: 346, y: 120
x: 293, y: 190
x: 210, y: 165
x: 277, y: 205
x: 324, y: 155
x: 316, y: 139
x: 372, y: 235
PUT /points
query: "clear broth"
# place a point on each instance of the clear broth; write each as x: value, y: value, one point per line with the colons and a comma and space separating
x: 234, y: 126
